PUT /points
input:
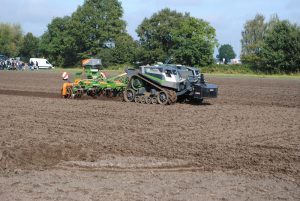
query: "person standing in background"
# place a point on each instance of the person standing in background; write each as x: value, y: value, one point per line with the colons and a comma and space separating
x: 37, y: 65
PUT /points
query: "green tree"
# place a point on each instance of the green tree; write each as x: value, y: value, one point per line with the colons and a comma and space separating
x: 226, y: 52
x: 125, y: 49
x: 85, y: 33
x: 281, y: 48
x: 252, y: 39
x: 168, y: 33
x: 10, y: 39
x: 29, y: 47
x: 155, y: 34
x: 194, y: 42
x: 271, y: 46
x: 122, y: 51
x: 94, y: 23
x: 270, y: 24
x: 57, y: 44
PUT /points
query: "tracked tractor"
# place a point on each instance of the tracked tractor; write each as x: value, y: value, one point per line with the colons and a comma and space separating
x: 166, y: 84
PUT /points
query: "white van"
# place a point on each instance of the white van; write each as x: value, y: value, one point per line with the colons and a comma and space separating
x: 42, y: 63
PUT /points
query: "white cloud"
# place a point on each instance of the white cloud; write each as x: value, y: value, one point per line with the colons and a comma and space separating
x: 34, y: 15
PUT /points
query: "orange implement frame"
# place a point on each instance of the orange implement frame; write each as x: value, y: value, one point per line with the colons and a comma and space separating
x: 64, y: 89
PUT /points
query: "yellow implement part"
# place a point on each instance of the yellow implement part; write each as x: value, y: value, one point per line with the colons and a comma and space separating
x: 77, y: 80
x: 64, y: 89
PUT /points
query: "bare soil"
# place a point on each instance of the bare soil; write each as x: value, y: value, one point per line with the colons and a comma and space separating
x: 244, y: 145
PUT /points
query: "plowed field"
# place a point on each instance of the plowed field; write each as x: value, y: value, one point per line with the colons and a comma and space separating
x: 244, y: 145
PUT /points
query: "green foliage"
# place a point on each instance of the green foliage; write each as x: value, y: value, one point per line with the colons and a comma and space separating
x: 252, y: 40
x: 57, y: 44
x: 83, y: 35
x: 10, y: 39
x: 155, y: 35
x: 29, y: 47
x: 226, y: 52
x: 123, y: 52
x: 244, y: 70
x: 96, y: 22
x: 281, y: 48
x: 125, y: 49
x: 120, y: 67
x: 252, y: 36
x: 228, y: 69
x: 271, y: 47
x: 186, y: 39
x: 194, y: 42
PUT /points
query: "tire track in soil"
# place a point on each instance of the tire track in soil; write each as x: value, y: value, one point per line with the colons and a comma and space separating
x: 39, y: 94
x: 29, y: 93
x: 131, y: 164
x: 144, y: 169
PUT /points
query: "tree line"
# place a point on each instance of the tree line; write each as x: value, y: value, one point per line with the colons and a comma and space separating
x: 273, y: 46
x: 96, y: 29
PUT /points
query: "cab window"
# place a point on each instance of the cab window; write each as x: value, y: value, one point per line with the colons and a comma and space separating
x: 168, y: 73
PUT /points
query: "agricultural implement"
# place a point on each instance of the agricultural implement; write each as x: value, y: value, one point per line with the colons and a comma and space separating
x: 167, y: 84
x: 95, y: 84
x: 93, y: 88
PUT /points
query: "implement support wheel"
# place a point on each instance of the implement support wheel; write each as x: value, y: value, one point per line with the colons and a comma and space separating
x: 69, y: 93
x: 129, y: 95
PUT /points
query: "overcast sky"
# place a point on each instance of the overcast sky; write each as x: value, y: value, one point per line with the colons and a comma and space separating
x: 226, y: 16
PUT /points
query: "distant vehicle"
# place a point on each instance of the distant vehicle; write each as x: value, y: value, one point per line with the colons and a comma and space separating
x: 42, y: 63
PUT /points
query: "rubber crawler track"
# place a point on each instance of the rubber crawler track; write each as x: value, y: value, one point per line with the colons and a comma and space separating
x: 172, y: 94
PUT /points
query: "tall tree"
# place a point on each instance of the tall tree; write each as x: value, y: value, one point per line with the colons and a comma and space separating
x: 155, y: 34
x: 29, y: 47
x: 86, y: 34
x: 226, y: 52
x: 96, y: 22
x: 271, y: 46
x: 281, y: 49
x: 10, y: 39
x: 125, y: 49
x: 252, y: 39
x: 194, y: 42
x: 58, y: 44
x: 172, y: 34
